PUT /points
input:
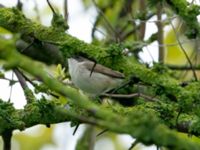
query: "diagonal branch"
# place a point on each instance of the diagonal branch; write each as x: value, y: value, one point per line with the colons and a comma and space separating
x: 185, y: 53
x: 27, y: 92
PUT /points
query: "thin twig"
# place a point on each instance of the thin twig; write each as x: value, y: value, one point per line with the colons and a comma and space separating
x: 95, y: 63
x: 27, y: 92
x: 10, y: 80
x: 172, y: 44
x: 35, y: 85
x: 105, y: 18
x: 11, y: 88
x: 154, y: 21
x: 133, y: 144
x: 121, y: 86
x: 21, y: 79
x: 102, y: 132
x: 76, y: 128
x: 179, y: 67
x: 26, y: 78
x: 121, y: 95
x: 184, y: 51
x: 66, y: 15
x: 26, y: 48
x: 131, y: 96
x: 135, y: 27
x: 143, y: 44
x: 142, y: 24
x: 52, y: 9
x: 99, y: 30
x: 148, y: 51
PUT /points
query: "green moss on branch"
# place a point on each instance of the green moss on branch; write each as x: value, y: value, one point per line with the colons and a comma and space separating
x: 136, y: 122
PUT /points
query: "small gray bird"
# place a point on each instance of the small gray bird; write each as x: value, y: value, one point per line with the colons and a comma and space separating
x: 94, y: 79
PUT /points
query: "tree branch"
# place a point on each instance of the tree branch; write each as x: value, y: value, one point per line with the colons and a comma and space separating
x: 70, y: 46
x: 6, y: 136
x: 180, y: 67
x: 148, y: 98
x: 21, y: 79
x: 135, y: 121
x: 66, y: 15
x: 41, y: 111
x: 160, y: 33
x: 27, y: 92
x: 185, y: 53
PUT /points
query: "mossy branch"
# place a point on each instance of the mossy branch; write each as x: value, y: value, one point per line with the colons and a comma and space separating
x: 14, y: 21
x: 136, y: 123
